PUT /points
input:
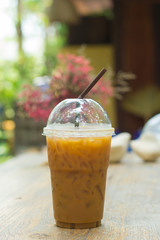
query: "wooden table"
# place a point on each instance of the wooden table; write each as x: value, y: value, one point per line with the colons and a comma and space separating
x: 132, y: 206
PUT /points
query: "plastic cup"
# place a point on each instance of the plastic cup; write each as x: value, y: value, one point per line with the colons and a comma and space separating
x: 78, y: 136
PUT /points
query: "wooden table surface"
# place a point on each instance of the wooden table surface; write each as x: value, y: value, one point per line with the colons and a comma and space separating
x: 132, y: 206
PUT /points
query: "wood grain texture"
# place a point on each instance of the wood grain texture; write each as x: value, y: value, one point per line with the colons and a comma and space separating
x: 132, y: 206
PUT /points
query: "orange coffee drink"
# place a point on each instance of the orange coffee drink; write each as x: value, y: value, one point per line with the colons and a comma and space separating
x: 78, y: 175
x: 78, y: 159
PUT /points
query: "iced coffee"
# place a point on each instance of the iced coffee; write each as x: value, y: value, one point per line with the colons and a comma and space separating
x: 78, y: 160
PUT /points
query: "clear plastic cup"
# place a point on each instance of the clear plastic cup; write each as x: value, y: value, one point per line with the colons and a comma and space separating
x: 78, y: 136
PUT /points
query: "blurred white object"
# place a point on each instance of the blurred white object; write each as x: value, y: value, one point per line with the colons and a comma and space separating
x: 153, y: 126
x: 148, y: 145
x: 119, y: 145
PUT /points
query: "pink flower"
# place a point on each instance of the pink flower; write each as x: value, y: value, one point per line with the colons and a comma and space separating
x: 71, y: 67
x: 80, y: 60
x: 60, y: 56
x: 71, y: 76
x: 75, y: 79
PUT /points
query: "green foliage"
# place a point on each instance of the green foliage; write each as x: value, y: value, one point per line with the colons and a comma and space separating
x: 4, y: 158
x: 13, y: 74
x: 36, y: 5
x: 53, y: 44
x: 4, y: 147
x: 39, y: 8
x: 108, y: 13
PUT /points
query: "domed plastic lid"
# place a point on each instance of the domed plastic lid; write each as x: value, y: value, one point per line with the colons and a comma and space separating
x: 78, y: 117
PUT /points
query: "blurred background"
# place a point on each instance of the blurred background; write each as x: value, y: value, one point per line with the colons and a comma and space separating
x: 121, y: 35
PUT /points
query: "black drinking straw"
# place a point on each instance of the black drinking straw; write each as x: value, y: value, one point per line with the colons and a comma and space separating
x: 86, y: 90
x: 91, y: 85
